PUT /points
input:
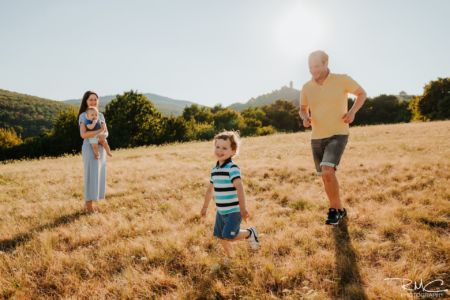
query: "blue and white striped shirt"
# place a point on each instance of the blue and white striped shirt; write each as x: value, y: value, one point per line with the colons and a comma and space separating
x: 225, y: 194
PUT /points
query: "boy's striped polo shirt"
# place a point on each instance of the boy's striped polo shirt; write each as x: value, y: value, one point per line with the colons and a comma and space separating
x: 225, y: 194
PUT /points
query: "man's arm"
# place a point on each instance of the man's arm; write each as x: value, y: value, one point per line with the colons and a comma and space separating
x: 304, y: 115
x: 361, y: 96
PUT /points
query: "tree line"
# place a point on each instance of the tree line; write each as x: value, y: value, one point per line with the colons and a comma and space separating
x: 134, y: 121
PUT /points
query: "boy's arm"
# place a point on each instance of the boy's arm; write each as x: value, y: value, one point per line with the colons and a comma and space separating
x: 208, y: 197
x: 241, y: 197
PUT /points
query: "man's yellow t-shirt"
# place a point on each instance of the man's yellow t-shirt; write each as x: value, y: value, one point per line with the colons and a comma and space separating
x: 328, y: 104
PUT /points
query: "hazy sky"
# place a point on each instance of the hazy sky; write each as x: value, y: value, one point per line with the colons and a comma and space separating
x: 211, y: 51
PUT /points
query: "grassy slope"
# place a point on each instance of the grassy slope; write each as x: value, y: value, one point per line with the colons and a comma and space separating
x: 28, y: 115
x: 148, y: 240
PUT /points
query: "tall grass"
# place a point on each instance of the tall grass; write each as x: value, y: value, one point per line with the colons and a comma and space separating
x: 149, y: 242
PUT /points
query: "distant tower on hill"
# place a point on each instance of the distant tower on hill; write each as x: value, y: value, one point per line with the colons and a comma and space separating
x: 291, y: 84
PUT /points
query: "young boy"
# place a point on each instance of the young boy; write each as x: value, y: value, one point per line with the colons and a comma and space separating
x: 229, y: 195
x: 94, y: 124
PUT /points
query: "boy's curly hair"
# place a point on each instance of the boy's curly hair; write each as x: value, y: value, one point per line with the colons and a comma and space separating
x: 232, y: 136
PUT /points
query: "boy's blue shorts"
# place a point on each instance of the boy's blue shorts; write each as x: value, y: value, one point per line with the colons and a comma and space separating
x: 227, y: 226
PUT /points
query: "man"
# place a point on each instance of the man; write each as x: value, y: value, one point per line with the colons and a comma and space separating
x: 325, y: 97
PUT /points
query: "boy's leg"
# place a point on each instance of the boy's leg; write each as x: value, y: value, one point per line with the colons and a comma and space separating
x: 227, y: 247
x: 243, y: 234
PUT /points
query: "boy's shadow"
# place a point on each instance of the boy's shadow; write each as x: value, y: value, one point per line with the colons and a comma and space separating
x: 10, y: 245
x: 350, y: 284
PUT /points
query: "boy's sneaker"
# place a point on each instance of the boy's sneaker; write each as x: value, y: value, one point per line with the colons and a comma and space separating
x: 253, y: 238
x: 334, y: 217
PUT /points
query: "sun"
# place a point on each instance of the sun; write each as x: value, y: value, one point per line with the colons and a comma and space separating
x: 299, y: 30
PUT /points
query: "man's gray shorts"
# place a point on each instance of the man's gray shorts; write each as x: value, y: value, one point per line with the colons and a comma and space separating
x: 328, y: 151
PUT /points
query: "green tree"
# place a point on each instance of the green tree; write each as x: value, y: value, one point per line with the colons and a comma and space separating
x: 176, y: 129
x: 254, y: 118
x: 204, y: 131
x: 283, y: 116
x: 200, y: 114
x: 384, y: 109
x: 65, y: 134
x: 415, y: 109
x: 133, y: 121
x: 228, y: 119
x: 9, y: 138
x: 434, y: 104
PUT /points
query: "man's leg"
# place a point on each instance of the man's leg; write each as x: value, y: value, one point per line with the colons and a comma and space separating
x: 331, y: 186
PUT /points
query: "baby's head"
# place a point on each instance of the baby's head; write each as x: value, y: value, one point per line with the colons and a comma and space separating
x: 91, y: 113
x: 226, y: 145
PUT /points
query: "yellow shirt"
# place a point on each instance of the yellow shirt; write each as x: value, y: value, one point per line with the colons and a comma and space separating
x: 328, y: 104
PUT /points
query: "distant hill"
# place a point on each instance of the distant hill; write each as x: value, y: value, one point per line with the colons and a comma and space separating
x: 290, y: 94
x: 284, y: 93
x: 167, y: 106
x: 28, y: 115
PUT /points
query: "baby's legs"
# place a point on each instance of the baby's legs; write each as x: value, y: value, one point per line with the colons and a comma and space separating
x: 102, y: 141
x: 95, y: 149
x: 94, y: 144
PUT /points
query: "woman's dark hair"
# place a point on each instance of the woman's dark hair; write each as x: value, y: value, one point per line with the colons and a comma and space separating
x: 83, y: 105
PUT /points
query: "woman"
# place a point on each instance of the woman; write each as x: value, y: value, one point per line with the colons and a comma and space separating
x: 94, y: 169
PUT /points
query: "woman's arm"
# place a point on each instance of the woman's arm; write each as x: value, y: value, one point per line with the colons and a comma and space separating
x: 88, y: 134
x: 105, y: 128
x: 102, y: 121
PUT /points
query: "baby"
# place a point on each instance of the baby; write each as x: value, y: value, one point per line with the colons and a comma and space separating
x: 92, y: 124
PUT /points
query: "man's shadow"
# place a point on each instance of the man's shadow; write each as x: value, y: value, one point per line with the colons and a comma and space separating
x: 349, y: 282
x: 10, y: 245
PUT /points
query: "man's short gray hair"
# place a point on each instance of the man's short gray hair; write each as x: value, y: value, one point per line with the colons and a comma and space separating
x: 320, y: 54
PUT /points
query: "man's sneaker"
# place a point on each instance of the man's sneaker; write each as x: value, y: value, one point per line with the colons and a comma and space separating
x: 253, y: 238
x: 343, y: 213
x: 334, y: 217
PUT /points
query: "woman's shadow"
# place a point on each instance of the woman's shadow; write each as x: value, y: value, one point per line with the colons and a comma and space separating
x: 10, y: 245
x: 349, y: 282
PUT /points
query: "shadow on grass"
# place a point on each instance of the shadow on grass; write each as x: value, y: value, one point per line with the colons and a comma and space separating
x: 349, y: 282
x: 10, y: 245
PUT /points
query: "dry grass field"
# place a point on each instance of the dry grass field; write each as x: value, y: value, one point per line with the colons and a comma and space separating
x: 148, y: 241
